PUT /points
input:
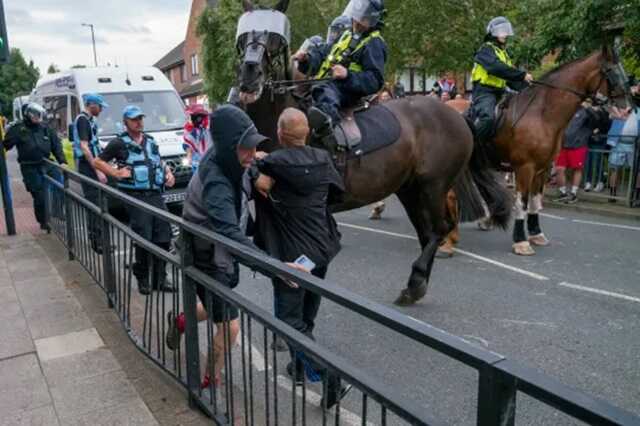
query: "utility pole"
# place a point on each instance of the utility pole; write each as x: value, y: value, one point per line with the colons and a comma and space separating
x: 93, y: 40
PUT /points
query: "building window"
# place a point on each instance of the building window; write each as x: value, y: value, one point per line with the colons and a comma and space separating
x: 183, y: 73
x: 194, y: 65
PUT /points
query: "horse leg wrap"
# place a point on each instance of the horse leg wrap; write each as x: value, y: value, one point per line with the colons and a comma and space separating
x: 518, y: 231
x: 533, y: 224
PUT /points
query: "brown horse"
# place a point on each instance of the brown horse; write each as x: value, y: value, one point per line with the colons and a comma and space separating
x: 432, y: 154
x: 531, y: 134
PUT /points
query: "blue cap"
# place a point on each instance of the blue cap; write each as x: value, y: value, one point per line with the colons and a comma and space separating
x: 94, y: 98
x: 132, y: 111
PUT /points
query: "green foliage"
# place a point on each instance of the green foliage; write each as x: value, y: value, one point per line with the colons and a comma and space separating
x: 443, y: 36
x: 53, y: 68
x: 17, y: 77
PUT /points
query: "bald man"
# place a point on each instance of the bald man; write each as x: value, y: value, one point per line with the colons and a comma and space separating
x: 298, y: 181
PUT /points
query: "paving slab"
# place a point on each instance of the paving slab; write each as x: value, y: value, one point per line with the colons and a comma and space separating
x: 72, y: 368
x: 43, y: 416
x: 69, y: 344
x: 56, y: 318
x: 132, y: 413
x: 23, y: 387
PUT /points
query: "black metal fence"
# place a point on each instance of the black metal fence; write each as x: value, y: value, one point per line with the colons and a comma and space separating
x: 251, y: 390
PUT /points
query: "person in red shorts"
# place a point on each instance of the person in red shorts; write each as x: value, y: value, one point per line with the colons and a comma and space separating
x: 573, y: 154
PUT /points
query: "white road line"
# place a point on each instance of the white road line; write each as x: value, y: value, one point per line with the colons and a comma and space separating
x: 612, y: 225
x: 601, y: 292
x: 464, y: 252
x: 552, y: 216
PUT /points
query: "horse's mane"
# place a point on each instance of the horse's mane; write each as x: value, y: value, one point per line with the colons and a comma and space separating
x: 556, y: 70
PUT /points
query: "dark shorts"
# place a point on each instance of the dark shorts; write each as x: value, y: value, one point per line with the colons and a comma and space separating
x: 217, y: 309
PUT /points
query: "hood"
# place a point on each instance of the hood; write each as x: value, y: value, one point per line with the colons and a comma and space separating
x: 229, y: 124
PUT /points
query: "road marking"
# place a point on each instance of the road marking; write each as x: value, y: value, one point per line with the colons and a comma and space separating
x: 528, y: 323
x: 601, y: 292
x: 612, y: 225
x: 552, y: 216
x: 463, y: 252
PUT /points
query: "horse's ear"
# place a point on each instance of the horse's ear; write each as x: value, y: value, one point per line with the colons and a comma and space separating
x: 282, y: 6
x: 247, y: 5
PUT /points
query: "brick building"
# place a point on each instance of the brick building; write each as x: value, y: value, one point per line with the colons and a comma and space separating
x: 182, y: 65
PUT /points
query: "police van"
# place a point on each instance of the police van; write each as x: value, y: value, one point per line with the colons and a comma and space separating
x: 61, y: 95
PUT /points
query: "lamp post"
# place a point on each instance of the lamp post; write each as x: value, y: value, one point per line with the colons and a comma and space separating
x: 93, y: 40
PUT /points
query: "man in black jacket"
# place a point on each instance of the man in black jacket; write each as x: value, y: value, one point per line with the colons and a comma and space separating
x: 492, y: 72
x: 35, y: 143
x: 299, y: 181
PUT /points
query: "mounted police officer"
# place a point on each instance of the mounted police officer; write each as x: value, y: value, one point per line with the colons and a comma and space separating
x: 86, y: 147
x: 355, y: 63
x: 338, y: 26
x: 141, y: 174
x: 35, y: 143
x: 492, y: 72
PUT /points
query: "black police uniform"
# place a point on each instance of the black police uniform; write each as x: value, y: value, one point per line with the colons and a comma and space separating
x: 35, y: 143
x: 144, y: 224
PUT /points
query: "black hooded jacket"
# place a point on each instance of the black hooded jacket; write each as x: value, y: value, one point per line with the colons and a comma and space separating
x: 35, y: 142
x: 214, y: 196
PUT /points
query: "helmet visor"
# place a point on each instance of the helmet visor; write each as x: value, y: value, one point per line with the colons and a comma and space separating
x: 35, y: 111
x: 503, y: 29
x: 364, y: 12
x: 334, y: 33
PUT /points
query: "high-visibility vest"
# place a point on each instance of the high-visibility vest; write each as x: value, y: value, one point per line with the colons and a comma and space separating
x: 480, y: 74
x: 342, y: 52
x: 94, y: 143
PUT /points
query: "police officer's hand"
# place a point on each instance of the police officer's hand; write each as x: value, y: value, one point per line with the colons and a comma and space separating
x: 300, y: 56
x: 101, y: 176
x: 528, y: 78
x: 170, y: 179
x: 123, y: 173
x: 339, y: 72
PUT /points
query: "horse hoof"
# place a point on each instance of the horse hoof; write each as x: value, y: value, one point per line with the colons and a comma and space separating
x: 375, y: 215
x: 523, y: 248
x: 409, y: 296
x: 444, y: 252
x: 485, y: 225
x: 539, y: 240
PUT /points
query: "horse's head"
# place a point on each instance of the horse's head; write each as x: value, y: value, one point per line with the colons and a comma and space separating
x: 613, y: 79
x: 262, y: 40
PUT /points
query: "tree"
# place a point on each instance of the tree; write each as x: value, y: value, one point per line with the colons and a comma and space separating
x: 17, y: 77
x: 53, y: 69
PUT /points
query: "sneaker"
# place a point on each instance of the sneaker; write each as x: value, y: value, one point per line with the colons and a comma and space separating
x: 572, y: 199
x: 299, y: 373
x: 588, y: 187
x: 143, y: 286
x: 599, y: 187
x: 333, y: 396
x: 175, y: 330
x: 562, y: 199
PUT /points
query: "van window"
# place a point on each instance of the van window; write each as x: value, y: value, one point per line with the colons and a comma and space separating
x: 75, y: 108
x: 56, y: 107
x: 164, y: 111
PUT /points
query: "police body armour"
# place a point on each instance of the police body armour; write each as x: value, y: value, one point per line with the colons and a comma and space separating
x: 147, y: 171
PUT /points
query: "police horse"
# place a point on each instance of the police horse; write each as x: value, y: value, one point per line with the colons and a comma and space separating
x: 432, y: 150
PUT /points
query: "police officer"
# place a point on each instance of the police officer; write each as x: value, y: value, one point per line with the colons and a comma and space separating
x: 141, y: 174
x: 337, y: 28
x: 492, y: 72
x: 355, y: 63
x: 86, y: 147
x: 35, y: 143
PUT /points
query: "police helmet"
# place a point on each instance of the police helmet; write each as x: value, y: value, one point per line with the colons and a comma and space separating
x: 35, y: 111
x: 370, y: 12
x: 337, y: 27
x: 312, y: 43
x: 500, y: 27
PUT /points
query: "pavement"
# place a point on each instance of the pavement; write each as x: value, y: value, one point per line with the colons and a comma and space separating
x: 64, y: 357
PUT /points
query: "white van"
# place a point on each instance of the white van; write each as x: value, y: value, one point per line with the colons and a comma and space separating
x: 61, y: 95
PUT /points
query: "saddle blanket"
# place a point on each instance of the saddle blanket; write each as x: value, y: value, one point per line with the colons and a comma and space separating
x: 379, y: 127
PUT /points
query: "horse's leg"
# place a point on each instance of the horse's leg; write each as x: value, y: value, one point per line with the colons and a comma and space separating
x: 427, y: 215
x: 524, y: 182
x: 536, y: 236
x: 446, y: 249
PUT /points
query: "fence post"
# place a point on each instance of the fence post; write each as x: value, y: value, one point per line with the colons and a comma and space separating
x: 496, y: 397
x: 107, y: 252
x: 68, y: 215
x: 192, y: 347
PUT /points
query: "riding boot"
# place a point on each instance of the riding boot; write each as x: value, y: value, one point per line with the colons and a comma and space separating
x: 322, y: 126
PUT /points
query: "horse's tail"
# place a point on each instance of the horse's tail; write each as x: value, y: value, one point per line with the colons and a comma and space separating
x: 479, y: 192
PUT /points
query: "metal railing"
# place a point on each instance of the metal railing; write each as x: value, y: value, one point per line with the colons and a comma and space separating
x: 614, y: 170
x: 251, y: 391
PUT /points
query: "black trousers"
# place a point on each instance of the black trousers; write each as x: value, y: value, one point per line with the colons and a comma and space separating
x: 151, y: 229
x: 92, y: 195
x: 33, y: 176
x: 297, y: 306
x: 483, y: 110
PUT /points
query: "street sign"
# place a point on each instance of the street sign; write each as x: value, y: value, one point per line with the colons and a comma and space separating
x: 4, y: 40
